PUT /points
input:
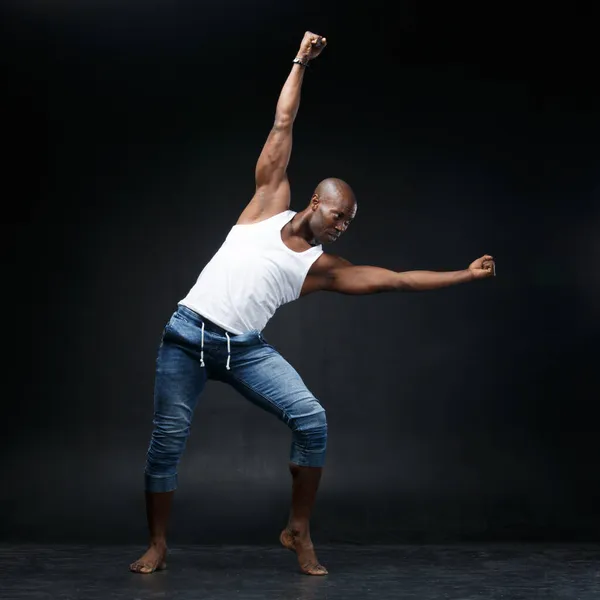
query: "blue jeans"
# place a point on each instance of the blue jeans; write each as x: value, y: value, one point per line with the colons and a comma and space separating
x: 189, y: 355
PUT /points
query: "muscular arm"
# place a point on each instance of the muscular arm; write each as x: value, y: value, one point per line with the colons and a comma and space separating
x: 334, y: 274
x: 272, y: 193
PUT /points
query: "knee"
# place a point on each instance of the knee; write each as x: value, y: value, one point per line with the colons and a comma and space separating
x: 174, y: 429
x: 311, y: 424
x: 173, y: 420
x: 168, y: 440
x: 309, y: 440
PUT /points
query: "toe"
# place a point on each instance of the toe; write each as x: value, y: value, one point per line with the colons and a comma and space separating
x: 139, y: 567
x: 315, y: 569
x: 134, y: 567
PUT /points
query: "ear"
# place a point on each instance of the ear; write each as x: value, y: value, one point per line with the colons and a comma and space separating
x: 314, y: 201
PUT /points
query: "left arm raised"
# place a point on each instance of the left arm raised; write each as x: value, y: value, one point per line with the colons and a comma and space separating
x: 334, y: 274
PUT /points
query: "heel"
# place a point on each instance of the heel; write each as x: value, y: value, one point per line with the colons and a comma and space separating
x: 287, y: 541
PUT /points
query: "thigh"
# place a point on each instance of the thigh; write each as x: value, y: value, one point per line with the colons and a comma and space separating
x: 265, y: 378
x: 179, y: 380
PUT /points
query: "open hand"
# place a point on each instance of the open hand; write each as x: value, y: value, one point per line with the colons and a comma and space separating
x: 483, y: 267
x: 312, y: 45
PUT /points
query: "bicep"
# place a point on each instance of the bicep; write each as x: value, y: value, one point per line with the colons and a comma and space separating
x: 357, y: 280
x: 272, y: 194
x: 275, y: 156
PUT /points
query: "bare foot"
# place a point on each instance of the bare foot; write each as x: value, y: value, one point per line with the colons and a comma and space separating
x: 304, y: 549
x: 153, y: 560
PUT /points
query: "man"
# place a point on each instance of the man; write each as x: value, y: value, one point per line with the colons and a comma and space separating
x: 271, y: 256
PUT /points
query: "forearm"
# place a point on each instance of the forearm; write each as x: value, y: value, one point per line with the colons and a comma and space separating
x: 289, y: 98
x: 422, y: 281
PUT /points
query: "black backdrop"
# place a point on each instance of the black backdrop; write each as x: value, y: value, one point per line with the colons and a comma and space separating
x: 132, y: 131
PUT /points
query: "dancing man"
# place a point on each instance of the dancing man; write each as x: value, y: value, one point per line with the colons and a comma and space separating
x: 271, y: 256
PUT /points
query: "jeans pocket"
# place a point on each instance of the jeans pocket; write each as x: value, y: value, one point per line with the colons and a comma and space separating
x: 177, y: 326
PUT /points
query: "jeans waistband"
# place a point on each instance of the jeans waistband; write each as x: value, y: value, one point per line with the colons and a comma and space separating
x: 198, y: 319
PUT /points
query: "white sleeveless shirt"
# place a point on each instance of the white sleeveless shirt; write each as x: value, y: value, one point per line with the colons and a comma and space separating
x: 252, y: 274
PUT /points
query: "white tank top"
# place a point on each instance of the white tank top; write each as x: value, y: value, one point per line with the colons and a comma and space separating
x: 252, y: 274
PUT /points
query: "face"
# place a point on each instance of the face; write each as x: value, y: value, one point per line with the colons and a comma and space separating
x: 331, y: 217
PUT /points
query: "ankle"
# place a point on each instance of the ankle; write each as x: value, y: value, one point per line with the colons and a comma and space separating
x: 299, y: 528
x: 159, y: 543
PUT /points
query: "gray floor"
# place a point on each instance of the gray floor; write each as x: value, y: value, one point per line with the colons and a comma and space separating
x: 459, y: 572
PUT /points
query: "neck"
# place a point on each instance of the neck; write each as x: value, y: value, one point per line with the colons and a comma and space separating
x: 300, y: 226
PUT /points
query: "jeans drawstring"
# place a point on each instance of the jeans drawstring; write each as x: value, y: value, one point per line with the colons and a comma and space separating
x: 202, y: 347
x: 228, y: 351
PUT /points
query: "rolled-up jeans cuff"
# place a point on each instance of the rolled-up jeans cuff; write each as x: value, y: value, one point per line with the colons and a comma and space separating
x: 155, y: 484
x: 306, y: 459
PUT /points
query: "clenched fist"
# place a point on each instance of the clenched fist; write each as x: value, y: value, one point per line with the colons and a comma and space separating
x: 483, y: 267
x: 312, y: 45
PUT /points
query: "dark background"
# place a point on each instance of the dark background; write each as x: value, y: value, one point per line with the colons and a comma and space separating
x: 132, y: 130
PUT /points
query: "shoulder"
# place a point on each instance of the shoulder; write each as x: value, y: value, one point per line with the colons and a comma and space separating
x: 253, y: 219
x: 267, y: 201
x: 327, y: 263
x: 323, y: 273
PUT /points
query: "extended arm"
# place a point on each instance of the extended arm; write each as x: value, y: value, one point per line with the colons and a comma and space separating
x: 272, y: 193
x: 337, y: 275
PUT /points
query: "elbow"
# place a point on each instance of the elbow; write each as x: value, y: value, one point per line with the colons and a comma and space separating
x: 404, y: 283
x: 283, y: 122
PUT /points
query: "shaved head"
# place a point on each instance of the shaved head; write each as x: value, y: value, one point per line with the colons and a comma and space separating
x: 334, y: 188
x: 332, y: 208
